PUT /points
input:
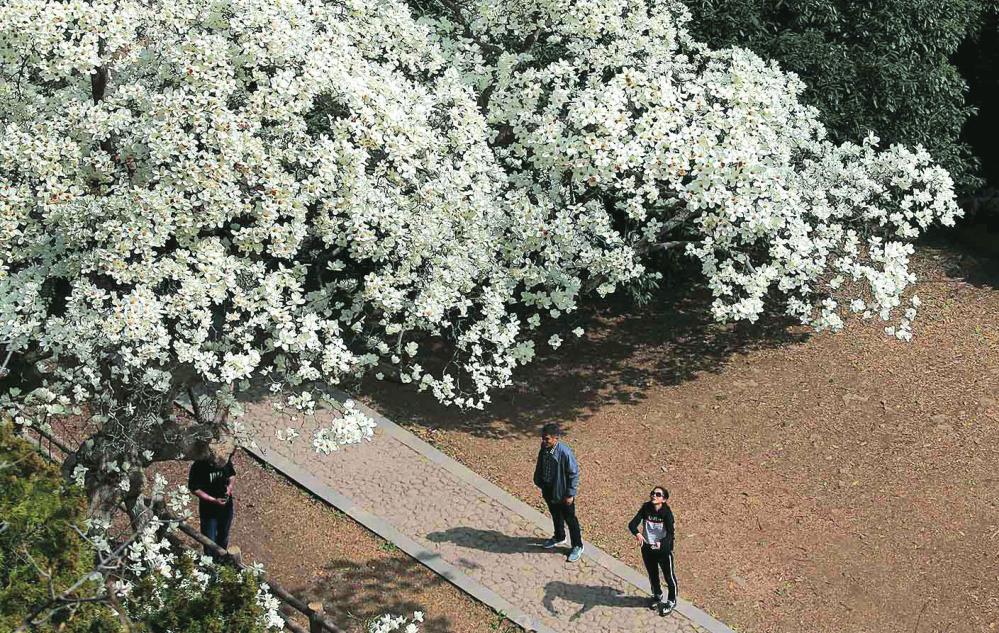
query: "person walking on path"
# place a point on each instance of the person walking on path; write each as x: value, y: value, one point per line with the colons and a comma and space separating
x: 656, y: 538
x: 211, y: 480
x: 557, y: 475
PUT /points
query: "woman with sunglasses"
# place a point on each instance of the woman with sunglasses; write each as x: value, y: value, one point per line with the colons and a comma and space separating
x: 656, y: 539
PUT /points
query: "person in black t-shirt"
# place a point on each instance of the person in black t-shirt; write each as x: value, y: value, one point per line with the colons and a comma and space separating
x: 656, y: 539
x: 211, y: 480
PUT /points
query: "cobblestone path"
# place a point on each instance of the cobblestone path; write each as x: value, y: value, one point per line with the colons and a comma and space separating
x: 467, y: 529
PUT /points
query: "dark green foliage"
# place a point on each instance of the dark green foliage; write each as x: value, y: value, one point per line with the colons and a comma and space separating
x: 41, y: 555
x: 39, y: 550
x: 225, y: 604
x: 978, y: 60
x: 869, y: 65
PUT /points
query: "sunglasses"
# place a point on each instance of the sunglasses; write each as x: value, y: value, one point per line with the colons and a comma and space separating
x: 655, y: 494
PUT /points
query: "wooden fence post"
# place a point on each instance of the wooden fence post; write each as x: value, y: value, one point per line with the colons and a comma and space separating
x: 316, y: 624
x: 235, y: 555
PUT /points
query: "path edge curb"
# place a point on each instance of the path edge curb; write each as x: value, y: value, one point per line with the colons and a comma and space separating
x: 625, y: 572
x: 385, y: 530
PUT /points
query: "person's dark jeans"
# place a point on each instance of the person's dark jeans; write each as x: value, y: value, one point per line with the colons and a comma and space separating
x: 563, y: 515
x: 215, y: 524
x: 656, y: 559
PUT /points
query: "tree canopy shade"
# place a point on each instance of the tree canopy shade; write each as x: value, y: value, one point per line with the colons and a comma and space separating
x: 881, y: 66
x: 207, y: 196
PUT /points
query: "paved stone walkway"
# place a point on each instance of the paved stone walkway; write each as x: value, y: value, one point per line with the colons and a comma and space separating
x: 468, y: 530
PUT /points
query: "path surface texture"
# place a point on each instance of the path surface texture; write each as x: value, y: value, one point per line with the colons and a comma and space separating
x: 468, y: 530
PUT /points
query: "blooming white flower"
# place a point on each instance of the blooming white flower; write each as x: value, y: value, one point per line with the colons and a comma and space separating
x: 272, y: 616
x: 351, y: 427
x: 79, y: 475
x: 389, y: 623
x: 308, y: 191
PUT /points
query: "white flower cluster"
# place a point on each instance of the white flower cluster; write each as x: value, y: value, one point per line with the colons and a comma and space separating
x: 272, y: 616
x: 612, y: 103
x: 149, y: 553
x: 178, y: 502
x: 390, y: 623
x: 351, y: 427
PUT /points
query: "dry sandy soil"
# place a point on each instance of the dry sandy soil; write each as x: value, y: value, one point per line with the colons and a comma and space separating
x: 830, y: 483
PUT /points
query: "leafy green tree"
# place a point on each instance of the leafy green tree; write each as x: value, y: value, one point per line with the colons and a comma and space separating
x: 47, y: 567
x: 870, y: 65
x: 978, y: 60
x: 42, y: 554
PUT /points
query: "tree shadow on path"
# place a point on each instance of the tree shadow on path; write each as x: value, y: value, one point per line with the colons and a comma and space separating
x: 353, y: 592
x: 489, y: 541
x: 626, y: 351
x: 588, y: 597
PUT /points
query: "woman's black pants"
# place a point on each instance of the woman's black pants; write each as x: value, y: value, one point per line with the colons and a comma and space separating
x: 656, y: 559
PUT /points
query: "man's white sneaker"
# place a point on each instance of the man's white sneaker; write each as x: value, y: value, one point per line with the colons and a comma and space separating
x: 552, y: 543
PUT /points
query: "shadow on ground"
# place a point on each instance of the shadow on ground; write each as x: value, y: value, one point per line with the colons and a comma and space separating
x: 626, y: 350
x: 971, y: 251
x: 587, y: 597
x: 390, y: 586
x: 488, y: 540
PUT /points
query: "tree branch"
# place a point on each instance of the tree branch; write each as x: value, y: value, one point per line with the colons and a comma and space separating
x: 98, y: 84
x: 665, y: 246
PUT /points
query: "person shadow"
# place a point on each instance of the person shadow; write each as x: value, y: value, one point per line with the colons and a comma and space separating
x: 488, y: 540
x: 588, y: 597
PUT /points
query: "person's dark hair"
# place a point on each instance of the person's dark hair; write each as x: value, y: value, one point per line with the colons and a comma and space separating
x: 552, y: 430
x: 665, y: 492
x: 201, y: 450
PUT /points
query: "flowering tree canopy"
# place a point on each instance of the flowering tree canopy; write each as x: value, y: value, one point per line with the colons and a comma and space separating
x: 205, y: 197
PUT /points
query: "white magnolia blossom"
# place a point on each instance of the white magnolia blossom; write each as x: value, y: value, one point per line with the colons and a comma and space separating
x: 271, y: 606
x: 178, y: 502
x: 149, y: 553
x: 79, y: 475
x: 351, y: 427
x: 391, y: 623
x: 223, y: 195
x: 609, y: 109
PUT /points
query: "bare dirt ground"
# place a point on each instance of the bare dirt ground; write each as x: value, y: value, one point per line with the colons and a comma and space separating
x: 320, y: 554
x: 828, y: 483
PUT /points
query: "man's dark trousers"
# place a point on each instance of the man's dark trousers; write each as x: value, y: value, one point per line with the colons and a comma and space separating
x: 656, y: 559
x: 215, y: 524
x: 565, y: 514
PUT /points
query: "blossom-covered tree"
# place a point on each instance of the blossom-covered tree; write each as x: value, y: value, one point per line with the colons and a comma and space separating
x: 611, y: 106
x: 204, y: 198
x: 197, y: 196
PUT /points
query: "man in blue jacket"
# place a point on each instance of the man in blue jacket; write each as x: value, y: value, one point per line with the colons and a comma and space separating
x: 557, y: 475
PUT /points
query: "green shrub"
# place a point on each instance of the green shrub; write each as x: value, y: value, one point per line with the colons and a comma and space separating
x: 41, y: 553
x: 195, y: 599
x: 39, y: 549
